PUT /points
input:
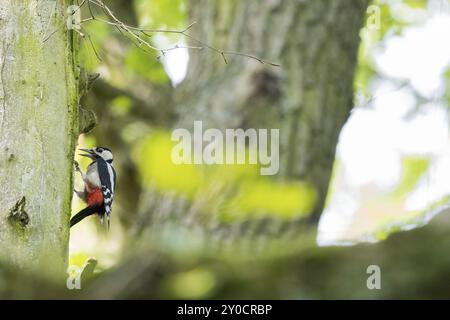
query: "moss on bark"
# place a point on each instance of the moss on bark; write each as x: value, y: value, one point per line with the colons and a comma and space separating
x: 38, y: 130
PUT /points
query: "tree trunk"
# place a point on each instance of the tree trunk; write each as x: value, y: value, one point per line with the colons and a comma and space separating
x: 308, y: 98
x: 38, y: 131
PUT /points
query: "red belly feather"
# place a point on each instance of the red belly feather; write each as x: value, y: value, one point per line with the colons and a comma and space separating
x: 95, y: 197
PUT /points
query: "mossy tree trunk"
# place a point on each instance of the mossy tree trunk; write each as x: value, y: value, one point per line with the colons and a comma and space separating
x: 38, y: 131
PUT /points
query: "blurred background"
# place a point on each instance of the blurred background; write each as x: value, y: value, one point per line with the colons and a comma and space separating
x: 389, y: 166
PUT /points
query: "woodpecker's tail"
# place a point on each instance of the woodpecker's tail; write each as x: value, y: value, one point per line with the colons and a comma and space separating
x: 86, y: 212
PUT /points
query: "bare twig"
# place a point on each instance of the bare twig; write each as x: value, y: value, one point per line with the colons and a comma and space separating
x: 48, y: 25
x: 79, y: 32
x: 79, y: 5
x: 93, y: 48
x: 135, y: 35
x: 49, y: 36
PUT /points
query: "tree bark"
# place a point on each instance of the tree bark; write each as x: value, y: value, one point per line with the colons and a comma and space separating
x: 309, y: 97
x: 38, y: 132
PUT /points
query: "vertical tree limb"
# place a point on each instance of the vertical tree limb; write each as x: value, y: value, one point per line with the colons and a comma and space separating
x: 38, y: 132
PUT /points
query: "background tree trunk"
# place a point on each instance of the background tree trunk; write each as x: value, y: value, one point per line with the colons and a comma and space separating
x: 309, y: 97
x: 38, y: 131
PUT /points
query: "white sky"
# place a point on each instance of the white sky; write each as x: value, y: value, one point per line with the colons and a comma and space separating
x: 376, y: 137
x: 175, y: 62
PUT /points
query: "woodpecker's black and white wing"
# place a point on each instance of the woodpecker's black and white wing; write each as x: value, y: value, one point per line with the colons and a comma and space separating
x: 107, y: 176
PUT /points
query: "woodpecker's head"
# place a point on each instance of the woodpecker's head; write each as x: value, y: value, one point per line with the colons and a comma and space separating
x: 99, y: 152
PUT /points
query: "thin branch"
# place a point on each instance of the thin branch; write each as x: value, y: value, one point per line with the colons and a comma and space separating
x: 79, y: 6
x: 48, y: 25
x: 93, y: 47
x: 49, y: 36
x: 134, y: 34
x: 86, y: 20
x: 79, y: 32
x: 183, y: 47
x: 251, y: 57
x: 123, y: 25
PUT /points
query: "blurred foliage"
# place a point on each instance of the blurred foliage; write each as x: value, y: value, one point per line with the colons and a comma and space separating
x: 416, y: 4
x: 121, y: 106
x: 94, y: 44
x: 283, y: 200
x: 383, y: 212
x: 161, y: 14
x: 197, y: 283
x: 413, y: 169
x: 447, y: 86
x: 78, y: 259
x: 391, y: 22
x: 392, y: 225
x: 239, y: 189
x: 414, y: 219
x: 153, y: 158
x: 146, y: 66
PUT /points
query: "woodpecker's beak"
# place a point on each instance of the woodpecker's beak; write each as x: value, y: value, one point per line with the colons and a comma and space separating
x: 90, y: 153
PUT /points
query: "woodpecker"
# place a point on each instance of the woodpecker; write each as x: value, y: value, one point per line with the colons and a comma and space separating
x: 99, y: 185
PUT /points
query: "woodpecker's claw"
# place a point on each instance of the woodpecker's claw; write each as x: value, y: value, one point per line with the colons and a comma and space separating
x: 80, y: 194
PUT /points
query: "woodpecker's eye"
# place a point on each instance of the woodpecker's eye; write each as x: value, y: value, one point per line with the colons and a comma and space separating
x: 100, y: 150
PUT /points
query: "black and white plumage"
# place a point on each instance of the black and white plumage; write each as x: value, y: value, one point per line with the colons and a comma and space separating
x: 99, y: 185
x: 107, y: 176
